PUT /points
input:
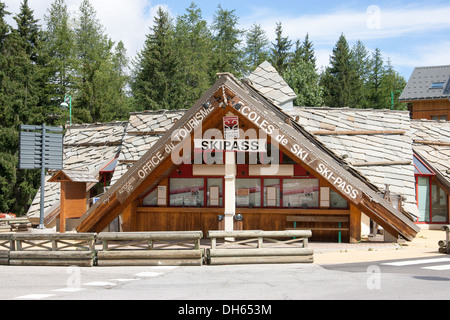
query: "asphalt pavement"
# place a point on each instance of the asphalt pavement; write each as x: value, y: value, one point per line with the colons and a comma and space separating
x: 368, y: 271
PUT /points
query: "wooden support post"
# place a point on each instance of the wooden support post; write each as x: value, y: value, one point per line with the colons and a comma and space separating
x: 355, y: 224
x: 62, y: 210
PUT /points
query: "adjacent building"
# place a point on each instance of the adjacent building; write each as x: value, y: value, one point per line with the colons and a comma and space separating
x: 428, y: 93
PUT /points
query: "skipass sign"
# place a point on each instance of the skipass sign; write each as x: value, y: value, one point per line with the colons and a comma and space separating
x: 251, y: 145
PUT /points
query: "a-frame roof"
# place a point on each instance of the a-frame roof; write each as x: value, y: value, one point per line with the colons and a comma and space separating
x: 229, y: 94
x: 73, y: 176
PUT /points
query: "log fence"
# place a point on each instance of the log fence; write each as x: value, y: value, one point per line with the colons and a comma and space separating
x: 151, y: 249
x: 444, y: 245
x: 155, y: 248
x: 14, y: 225
x: 259, y: 247
x: 52, y: 249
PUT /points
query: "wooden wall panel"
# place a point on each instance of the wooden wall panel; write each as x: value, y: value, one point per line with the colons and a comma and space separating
x: 427, y: 109
x: 195, y: 219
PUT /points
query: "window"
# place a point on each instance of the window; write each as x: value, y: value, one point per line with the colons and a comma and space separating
x: 431, y: 200
x: 248, y: 193
x: 151, y: 200
x: 439, y: 206
x: 439, y: 118
x: 437, y: 85
x: 215, y: 192
x: 187, y: 192
x: 336, y: 201
x: 272, y: 193
x: 301, y: 193
x: 423, y: 196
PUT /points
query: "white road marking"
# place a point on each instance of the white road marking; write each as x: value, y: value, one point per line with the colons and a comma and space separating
x: 439, y: 268
x: 99, y: 284
x: 68, y: 290
x: 124, y: 280
x: 416, y: 262
x: 148, y: 274
x: 36, y: 296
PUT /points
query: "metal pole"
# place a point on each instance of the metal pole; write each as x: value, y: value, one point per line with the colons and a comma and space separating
x: 41, y: 220
x: 70, y: 109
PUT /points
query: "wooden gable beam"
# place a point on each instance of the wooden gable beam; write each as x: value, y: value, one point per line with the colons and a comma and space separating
x: 304, y: 151
x: 142, y: 175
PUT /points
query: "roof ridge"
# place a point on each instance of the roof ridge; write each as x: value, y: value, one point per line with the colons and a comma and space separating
x: 430, y: 67
x: 160, y: 111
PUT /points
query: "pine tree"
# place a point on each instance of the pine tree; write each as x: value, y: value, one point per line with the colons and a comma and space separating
x: 256, y: 50
x: 304, y: 52
x: 60, y: 48
x: 280, y: 53
x: 4, y: 34
x: 340, y: 79
x: 304, y: 80
x: 302, y: 75
x: 156, y: 82
x: 391, y: 86
x: 375, y: 80
x: 360, y: 57
x: 193, y: 42
x: 20, y: 96
x: 93, y: 48
x: 111, y: 81
x: 7, y: 144
x: 227, y: 53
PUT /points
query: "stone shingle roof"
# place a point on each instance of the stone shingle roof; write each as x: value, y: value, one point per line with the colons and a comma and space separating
x: 87, y: 148
x: 143, y: 130
x: 432, y: 143
x: 74, y: 176
x: 419, y: 85
x: 268, y: 82
x: 376, y: 143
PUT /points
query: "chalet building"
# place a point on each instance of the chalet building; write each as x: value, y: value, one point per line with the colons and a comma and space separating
x: 242, y: 157
x: 428, y: 93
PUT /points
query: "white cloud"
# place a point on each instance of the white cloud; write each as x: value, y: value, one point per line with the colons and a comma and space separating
x: 361, y: 25
x: 433, y: 54
x: 382, y: 27
x: 127, y: 21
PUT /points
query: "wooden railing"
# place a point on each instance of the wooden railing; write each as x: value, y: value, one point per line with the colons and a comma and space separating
x: 155, y: 248
x: 151, y: 249
x: 260, y: 247
x: 52, y: 249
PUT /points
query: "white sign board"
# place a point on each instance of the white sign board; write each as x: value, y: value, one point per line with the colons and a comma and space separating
x: 252, y: 145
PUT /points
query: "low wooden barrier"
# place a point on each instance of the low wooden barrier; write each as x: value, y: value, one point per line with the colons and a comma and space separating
x: 6, y: 245
x: 53, y: 250
x: 444, y: 245
x: 151, y: 249
x: 259, y: 247
x: 14, y: 224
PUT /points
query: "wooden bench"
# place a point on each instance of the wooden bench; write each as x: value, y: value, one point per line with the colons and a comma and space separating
x: 14, y: 224
x: 339, y: 220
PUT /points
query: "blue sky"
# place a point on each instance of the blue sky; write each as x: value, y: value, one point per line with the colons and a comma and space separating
x: 409, y: 33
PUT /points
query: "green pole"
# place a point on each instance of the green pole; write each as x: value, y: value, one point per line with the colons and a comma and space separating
x: 70, y: 108
x: 393, y: 97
